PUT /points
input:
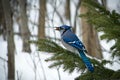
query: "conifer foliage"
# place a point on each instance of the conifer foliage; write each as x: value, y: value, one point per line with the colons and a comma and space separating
x: 105, y: 21
x: 60, y: 56
x: 70, y: 61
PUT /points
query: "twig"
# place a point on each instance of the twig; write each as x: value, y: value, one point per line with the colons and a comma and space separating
x: 54, y: 10
x: 35, y: 67
x: 58, y: 73
x: 19, y: 76
x: 77, y: 7
x: 4, y: 66
x: 42, y: 66
x: 52, y: 38
x: 3, y: 59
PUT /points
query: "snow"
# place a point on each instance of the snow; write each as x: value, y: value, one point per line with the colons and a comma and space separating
x: 25, y: 67
x: 113, y: 4
x: 24, y: 62
x: 3, y: 55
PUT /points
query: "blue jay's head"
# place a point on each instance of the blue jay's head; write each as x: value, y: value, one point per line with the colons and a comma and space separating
x: 63, y: 28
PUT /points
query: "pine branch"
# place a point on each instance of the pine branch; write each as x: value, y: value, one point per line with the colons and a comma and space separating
x: 60, y: 57
x: 104, y: 21
x: 99, y: 74
x: 70, y: 61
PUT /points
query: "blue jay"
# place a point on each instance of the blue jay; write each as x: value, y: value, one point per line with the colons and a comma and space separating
x: 71, y: 42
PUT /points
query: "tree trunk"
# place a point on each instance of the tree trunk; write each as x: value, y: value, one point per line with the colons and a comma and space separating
x: 2, y: 22
x: 10, y: 39
x: 76, y: 15
x: 67, y: 11
x: 104, y: 3
x: 42, y: 13
x: 1, y: 13
x: 23, y: 24
x: 90, y: 37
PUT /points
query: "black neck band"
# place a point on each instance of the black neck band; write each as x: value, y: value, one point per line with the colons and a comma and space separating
x: 64, y: 31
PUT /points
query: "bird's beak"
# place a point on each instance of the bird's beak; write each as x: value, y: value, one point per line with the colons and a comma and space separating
x: 57, y: 28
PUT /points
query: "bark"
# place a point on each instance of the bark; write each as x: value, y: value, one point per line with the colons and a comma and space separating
x: 1, y: 12
x: 104, y: 3
x: 10, y: 39
x: 2, y: 22
x: 42, y: 13
x: 90, y: 37
x: 76, y: 15
x: 67, y: 11
x: 23, y: 24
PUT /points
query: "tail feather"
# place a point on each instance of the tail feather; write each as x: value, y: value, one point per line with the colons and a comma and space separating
x: 86, y: 61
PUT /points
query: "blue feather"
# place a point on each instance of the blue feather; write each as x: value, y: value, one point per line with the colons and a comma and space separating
x: 86, y: 61
x: 72, y: 40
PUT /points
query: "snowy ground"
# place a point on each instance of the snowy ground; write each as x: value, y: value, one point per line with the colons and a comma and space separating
x: 25, y: 66
x: 24, y: 62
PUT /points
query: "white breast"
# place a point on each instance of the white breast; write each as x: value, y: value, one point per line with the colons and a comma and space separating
x: 70, y: 48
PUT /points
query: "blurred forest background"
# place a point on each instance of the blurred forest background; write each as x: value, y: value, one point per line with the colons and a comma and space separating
x: 27, y: 30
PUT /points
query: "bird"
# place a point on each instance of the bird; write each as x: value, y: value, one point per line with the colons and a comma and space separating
x: 72, y: 42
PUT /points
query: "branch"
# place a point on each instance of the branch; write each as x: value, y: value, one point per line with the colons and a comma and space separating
x: 61, y: 19
x: 77, y: 7
x: 32, y: 35
x: 3, y: 59
x: 61, y: 57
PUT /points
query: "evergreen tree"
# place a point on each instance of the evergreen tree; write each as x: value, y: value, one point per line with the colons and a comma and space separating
x: 70, y: 61
x: 103, y: 20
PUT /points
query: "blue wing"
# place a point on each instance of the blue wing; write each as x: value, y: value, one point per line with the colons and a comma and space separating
x: 73, y: 41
